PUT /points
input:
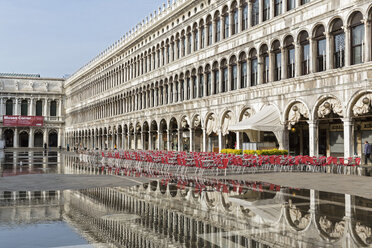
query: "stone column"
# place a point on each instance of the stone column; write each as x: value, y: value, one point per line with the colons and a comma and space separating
x: 219, y: 141
x: 367, y: 40
x: 45, y: 137
x: 312, y: 52
x: 239, y: 75
x: 16, y: 106
x: 260, y: 11
x: 330, y: 50
x: 249, y: 14
x: 191, y: 140
x: 31, y: 138
x: 150, y: 140
x: 60, y: 137
x: 284, y: 63
x: 60, y: 103
x: 129, y: 140
x: 272, y: 9
x: 160, y: 141
x: 313, y: 138
x: 260, y: 69
x: 222, y: 23
x: 2, y: 112
x: 204, y: 140
x: 284, y: 6
x: 348, y: 137
x: 168, y: 140
x: 271, y: 67
x: 142, y: 140
x: 238, y: 144
x: 31, y: 107
x: 180, y: 140
x: 45, y: 109
x: 297, y: 60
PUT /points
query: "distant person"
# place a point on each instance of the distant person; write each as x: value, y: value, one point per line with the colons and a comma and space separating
x: 45, y: 146
x: 367, y: 152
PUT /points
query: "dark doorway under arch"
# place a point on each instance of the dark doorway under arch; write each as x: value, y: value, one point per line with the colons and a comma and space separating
x: 8, y: 137
x: 53, y: 140
x: 38, y: 139
x: 23, y: 139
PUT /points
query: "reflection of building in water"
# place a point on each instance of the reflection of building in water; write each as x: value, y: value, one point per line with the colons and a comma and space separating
x: 30, y: 206
x: 165, y: 216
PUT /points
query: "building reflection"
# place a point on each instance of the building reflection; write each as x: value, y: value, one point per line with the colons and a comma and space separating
x: 189, y: 213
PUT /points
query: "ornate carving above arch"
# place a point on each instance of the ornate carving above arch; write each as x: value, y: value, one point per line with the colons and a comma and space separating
x: 297, y: 218
x: 363, y: 105
x: 184, y: 122
x: 227, y: 119
x: 330, y: 105
x: 335, y: 230
x: 297, y: 111
x: 211, y: 124
x: 364, y: 233
x: 196, y: 121
x: 247, y: 113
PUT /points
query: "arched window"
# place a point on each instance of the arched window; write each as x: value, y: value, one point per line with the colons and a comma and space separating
x: 277, y: 60
x: 158, y: 55
x: 216, y: 77
x: 233, y: 73
x: 243, y: 70
x: 226, y: 20
x: 291, y: 4
x: 39, y: 108
x: 209, y: 79
x: 53, y: 108
x: 305, y: 52
x: 163, y: 55
x: 9, y: 107
x: 188, y: 84
x: 24, y: 106
x: 290, y: 53
x: 266, y: 10
x: 218, y: 27
x: 194, y: 83
x: 196, y: 37
x: 201, y: 82
x: 254, y: 67
x: 173, y: 51
x: 224, y: 71
x: 338, y: 43
x: 235, y: 19
x: 168, y: 53
x: 182, y: 88
x: 209, y: 30
x: 171, y: 86
x: 175, y: 91
x: 244, y: 15
x: 202, y: 35
x: 178, y: 42
x: 357, y: 38
x: 321, y: 52
x: 255, y: 12
x: 265, y: 63
x: 189, y: 42
x: 278, y: 7
x: 183, y: 45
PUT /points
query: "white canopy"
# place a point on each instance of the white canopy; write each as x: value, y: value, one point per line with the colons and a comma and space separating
x: 267, y: 119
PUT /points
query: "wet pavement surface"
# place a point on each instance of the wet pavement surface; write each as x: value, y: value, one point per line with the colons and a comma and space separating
x: 261, y: 210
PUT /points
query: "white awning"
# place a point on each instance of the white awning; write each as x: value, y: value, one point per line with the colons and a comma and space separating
x: 267, y: 119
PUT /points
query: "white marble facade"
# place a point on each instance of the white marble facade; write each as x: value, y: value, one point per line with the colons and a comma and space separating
x: 30, y: 95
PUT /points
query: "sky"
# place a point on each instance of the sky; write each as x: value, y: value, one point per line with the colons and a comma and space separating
x: 54, y: 38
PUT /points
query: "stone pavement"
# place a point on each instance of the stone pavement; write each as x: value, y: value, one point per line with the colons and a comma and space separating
x: 342, y: 184
x: 36, y: 182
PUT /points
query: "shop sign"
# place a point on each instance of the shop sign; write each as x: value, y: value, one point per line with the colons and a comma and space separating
x: 336, y: 127
x: 366, y: 126
x: 23, y: 121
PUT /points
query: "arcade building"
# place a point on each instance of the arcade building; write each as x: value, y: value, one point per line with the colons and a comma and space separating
x: 31, y: 111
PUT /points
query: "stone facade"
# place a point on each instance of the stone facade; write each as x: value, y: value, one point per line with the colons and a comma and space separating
x: 31, y: 95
